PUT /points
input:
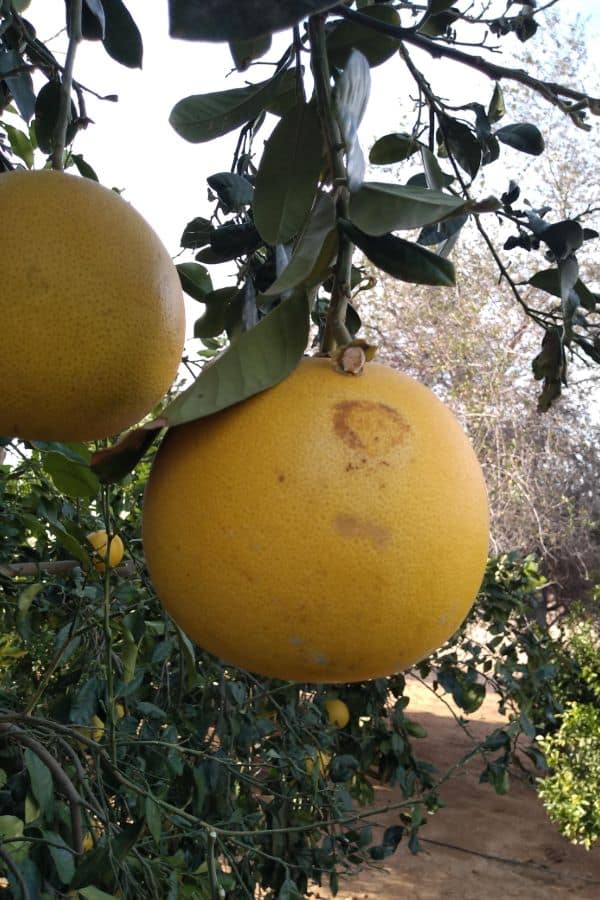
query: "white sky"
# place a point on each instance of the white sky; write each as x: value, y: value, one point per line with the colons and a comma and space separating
x: 132, y: 146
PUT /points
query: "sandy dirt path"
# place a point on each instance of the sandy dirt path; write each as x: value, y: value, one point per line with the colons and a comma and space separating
x: 482, y: 846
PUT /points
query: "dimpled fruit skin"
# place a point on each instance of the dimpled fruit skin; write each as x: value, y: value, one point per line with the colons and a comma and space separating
x: 91, y: 310
x: 333, y: 528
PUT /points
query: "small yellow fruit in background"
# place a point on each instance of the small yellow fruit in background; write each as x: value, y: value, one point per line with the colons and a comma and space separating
x: 337, y: 713
x: 98, y: 540
x: 97, y: 730
x: 88, y: 842
x: 323, y: 760
x: 120, y: 710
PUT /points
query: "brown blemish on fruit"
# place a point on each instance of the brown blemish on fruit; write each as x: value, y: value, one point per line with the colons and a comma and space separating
x: 281, y: 478
x: 353, y: 527
x: 374, y: 429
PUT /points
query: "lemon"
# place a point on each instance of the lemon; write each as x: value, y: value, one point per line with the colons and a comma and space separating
x: 91, y: 308
x: 331, y: 529
x: 98, y: 540
x: 337, y: 712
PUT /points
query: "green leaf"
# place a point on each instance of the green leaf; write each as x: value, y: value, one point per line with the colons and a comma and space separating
x: 346, y: 36
x: 71, y: 478
x: 393, y: 148
x: 314, y: 252
x: 77, y: 453
x: 152, y: 816
x: 563, y: 238
x: 196, y: 233
x: 232, y: 240
x: 122, y: 40
x: 377, y: 208
x: 62, y: 855
x: 92, y: 20
x: 288, y: 175
x: 257, y: 360
x: 244, y: 52
x: 523, y: 136
x: 420, y: 180
x: 213, y: 321
x: 226, y: 20
x: 12, y: 827
x: 497, y: 107
x: 41, y: 780
x: 195, y: 280
x: 436, y: 6
x: 549, y: 280
x: 434, y: 176
x: 203, y: 117
x: 83, y: 167
x: 26, y: 598
x: 403, y: 259
x: 461, y: 143
x: 21, y: 85
x: 439, y: 22
x: 47, y: 107
x: 234, y: 191
x: 93, y: 893
x: 289, y: 891
x: 20, y: 144
x: 113, y: 463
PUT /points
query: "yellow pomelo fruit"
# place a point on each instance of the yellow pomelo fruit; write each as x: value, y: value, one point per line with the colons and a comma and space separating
x: 97, y: 728
x: 333, y: 528
x: 91, y: 309
x: 88, y: 842
x: 98, y: 540
x: 119, y: 710
x: 337, y: 713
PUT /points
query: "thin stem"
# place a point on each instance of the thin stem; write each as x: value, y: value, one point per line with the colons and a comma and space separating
x: 64, y: 110
x: 335, y: 331
x: 108, y: 637
x: 212, y: 866
x: 551, y: 91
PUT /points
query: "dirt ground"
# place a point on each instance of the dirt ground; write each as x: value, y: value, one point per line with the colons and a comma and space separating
x: 482, y: 846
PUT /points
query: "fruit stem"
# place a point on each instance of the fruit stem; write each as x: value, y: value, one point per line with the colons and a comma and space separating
x: 335, y: 333
x: 64, y: 110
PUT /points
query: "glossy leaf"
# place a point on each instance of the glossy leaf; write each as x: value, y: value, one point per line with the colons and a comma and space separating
x: 256, y: 360
x: 403, y: 259
x: 40, y: 779
x: 461, y: 143
x: 234, y: 191
x: 61, y: 854
x: 497, y: 108
x: 523, y: 136
x: 244, y: 52
x: 549, y: 280
x: 20, y: 144
x: 203, y: 117
x: 46, y: 116
x: 393, y: 148
x: 231, y: 241
x: 122, y: 41
x: 71, y: 478
x: 346, y: 36
x: 287, y: 178
x: 20, y: 84
x: 196, y: 233
x: 378, y: 208
x: 230, y: 20
x: 84, y: 167
x: 212, y: 322
x: 314, y: 251
x: 195, y: 280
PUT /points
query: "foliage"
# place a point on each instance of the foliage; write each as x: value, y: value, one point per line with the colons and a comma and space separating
x: 570, y: 793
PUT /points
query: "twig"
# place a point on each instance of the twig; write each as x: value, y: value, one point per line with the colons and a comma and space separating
x: 64, y: 110
x: 61, y: 780
x: 551, y: 91
x: 58, y: 567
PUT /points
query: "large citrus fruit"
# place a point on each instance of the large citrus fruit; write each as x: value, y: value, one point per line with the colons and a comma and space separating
x: 333, y: 528
x: 91, y: 310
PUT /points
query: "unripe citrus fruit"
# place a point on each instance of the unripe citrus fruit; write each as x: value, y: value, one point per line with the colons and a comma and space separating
x: 98, y: 540
x: 98, y: 727
x: 91, y: 309
x: 337, y: 713
x: 323, y: 760
x: 332, y: 528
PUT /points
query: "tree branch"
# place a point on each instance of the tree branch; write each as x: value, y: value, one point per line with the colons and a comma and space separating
x: 551, y: 91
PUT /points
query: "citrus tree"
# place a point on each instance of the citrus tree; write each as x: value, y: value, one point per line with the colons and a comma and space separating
x: 320, y: 522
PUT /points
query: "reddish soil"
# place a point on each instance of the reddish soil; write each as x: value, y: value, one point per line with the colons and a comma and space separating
x: 482, y: 846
